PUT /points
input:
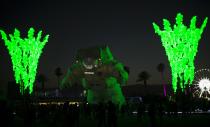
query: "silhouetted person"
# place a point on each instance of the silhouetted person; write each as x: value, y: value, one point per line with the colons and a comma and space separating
x: 174, y: 108
x: 152, y: 114
x: 112, y: 115
x: 29, y: 115
x: 123, y: 110
x: 87, y: 111
x: 140, y: 110
x: 68, y: 121
x: 101, y: 115
x: 76, y: 115
x: 160, y: 112
x: 4, y: 116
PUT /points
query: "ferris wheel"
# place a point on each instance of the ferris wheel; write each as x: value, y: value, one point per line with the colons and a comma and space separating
x: 201, y: 84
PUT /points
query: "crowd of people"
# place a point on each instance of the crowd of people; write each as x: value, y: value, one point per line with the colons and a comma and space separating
x: 32, y: 114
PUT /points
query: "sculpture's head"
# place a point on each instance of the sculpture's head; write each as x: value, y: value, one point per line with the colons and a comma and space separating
x: 95, y: 65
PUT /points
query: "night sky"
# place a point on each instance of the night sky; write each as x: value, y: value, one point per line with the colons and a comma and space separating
x: 126, y: 27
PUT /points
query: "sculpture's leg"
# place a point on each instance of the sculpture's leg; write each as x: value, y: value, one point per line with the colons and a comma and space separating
x: 115, y: 91
x: 118, y: 97
x: 90, y: 96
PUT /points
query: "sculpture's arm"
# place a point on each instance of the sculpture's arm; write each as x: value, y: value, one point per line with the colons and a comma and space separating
x: 73, y: 76
x: 123, y: 73
x: 65, y: 80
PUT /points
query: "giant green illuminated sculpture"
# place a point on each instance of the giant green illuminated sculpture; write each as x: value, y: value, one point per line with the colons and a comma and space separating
x: 181, y: 45
x: 99, y: 73
x: 25, y: 54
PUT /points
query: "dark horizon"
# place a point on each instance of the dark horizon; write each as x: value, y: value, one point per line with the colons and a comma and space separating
x: 126, y: 27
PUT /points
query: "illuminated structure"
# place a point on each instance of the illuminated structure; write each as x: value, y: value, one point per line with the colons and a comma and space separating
x: 99, y: 73
x: 181, y: 45
x: 201, y: 84
x: 25, y: 54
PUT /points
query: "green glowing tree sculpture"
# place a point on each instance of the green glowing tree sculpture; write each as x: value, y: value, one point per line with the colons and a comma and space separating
x: 25, y: 54
x: 181, y: 45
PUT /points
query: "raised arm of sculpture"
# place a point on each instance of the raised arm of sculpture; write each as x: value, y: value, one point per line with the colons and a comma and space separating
x: 73, y: 76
